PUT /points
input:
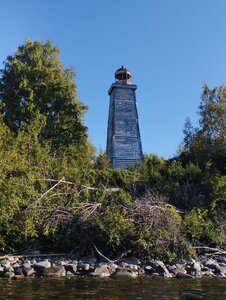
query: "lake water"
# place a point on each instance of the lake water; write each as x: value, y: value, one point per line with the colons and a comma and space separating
x: 112, y: 289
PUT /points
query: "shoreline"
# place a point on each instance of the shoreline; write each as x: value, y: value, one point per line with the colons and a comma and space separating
x: 63, y: 265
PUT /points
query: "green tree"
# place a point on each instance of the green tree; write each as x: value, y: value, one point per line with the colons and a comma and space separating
x: 205, y: 145
x: 33, y: 82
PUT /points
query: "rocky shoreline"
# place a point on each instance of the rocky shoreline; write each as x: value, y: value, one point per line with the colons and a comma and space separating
x: 15, y: 267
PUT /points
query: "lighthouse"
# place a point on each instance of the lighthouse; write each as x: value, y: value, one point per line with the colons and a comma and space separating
x: 124, y: 147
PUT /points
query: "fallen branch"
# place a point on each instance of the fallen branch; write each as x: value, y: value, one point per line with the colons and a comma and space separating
x: 215, y: 250
x: 52, y: 188
x: 84, y: 187
x: 31, y: 255
x: 107, y: 259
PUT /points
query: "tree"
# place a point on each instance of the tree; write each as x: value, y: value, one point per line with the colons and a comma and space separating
x: 34, y: 82
x: 205, y: 145
x: 212, y: 111
x: 188, y: 135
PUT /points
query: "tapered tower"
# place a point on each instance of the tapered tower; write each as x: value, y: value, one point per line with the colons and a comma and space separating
x: 123, y: 137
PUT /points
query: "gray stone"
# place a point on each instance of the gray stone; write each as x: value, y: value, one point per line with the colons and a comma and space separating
x: 220, y: 270
x: 19, y: 271
x: 15, y: 265
x: 159, y: 267
x: 5, y: 263
x: 179, y: 270
x: 131, y: 261
x: 9, y: 274
x: 207, y: 274
x: 71, y: 268
x: 204, y: 269
x: 211, y: 264
x: 28, y: 271
x: 149, y: 270
x: 196, y: 266
x: 56, y: 271
x: 43, y: 263
x: 155, y: 275
x: 83, y: 266
x: 125, y: 272
x: 105, y: 270
x: 182, y: 275
x: 68, y: 273
x: 26, y: 265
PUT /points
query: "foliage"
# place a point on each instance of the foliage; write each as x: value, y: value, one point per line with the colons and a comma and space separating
x: 56, y: 195
x: 33, y: 82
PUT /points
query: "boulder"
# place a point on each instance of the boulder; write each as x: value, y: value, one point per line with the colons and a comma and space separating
x: 179, y: 270
x: 131, y: 261
x: 28, y: 271
x: 159, y: 267
x: 83, y: 266
x: 220, y: 270
x: 26, y: 265
x: 125, y: 272
x: 183, y: 275
x: 9, y: 274
x: 71, y: 268
x: 196, y: 266
x: 105, y: 270
x: 149, y: 270
x: 154, y: 275
x: 207, y: 274
x: 19, y: 271
x: 5, y: 263
x: 43, y: 264
x: 211, y: 264
x: 56, y: 271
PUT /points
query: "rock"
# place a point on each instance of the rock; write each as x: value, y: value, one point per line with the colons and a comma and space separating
x: 71, y: 268
x: 196, y: 266
x: 220, y: 270
x: 211, y: 264
x: 43, y: 264
x: 149, y: 270
x: 9, y: 274
x: 19, y: 271
x: 28, y: 271
x: 57, y: 271
x: 131, y: 261
x: 26, y: 265
x: 179, y: 270
x: 140, y: 272
x: 1, y: 269
x: 204, y: 269
x: 68, y: 273
x: 15, y: 265
x: 154, y: 275
x: 83, y: 266
x: 159, y: 267
x: 125, y: 272
x: 90, y: 261
x: 182, y: 275
x: 105, y: 270
x: 207, y: 274
x: 171, y: 268
x: 5, y: 263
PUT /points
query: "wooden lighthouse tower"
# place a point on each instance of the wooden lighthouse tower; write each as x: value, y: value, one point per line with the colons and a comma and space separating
x: 123, y: 136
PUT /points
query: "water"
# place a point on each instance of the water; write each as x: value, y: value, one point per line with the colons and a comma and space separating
x: 112, y: 289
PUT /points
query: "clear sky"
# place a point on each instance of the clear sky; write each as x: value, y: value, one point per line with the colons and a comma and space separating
x: 171, y: 46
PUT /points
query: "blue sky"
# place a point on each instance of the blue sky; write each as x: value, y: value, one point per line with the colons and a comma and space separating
x: 172, y: 48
